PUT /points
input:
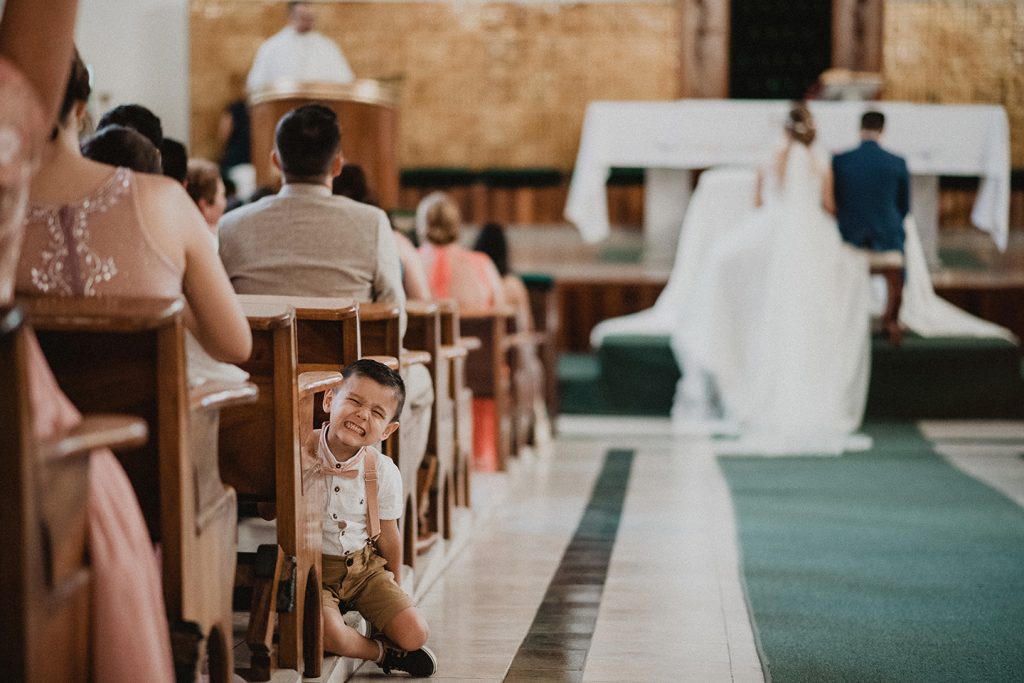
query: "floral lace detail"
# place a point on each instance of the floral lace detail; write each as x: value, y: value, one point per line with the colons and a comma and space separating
x: 70, y: 267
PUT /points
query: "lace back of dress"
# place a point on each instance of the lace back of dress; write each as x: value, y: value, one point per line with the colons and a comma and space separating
x: 95, y: 246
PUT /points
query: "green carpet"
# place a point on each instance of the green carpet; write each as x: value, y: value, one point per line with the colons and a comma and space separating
x: 890, y: 565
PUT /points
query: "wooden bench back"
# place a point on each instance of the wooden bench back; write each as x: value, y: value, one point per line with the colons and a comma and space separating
x: 327, y: 329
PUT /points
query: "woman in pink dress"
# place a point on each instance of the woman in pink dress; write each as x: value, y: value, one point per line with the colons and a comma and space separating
x: 471, y: 279
x: 128, y: 623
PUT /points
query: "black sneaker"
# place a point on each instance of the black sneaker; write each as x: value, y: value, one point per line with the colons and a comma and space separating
x: 419, y: 663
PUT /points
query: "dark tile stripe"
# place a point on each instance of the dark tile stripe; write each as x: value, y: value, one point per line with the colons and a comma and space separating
x: 556, y: 646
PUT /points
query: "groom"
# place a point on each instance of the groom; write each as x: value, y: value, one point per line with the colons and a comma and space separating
x: 872, y: 191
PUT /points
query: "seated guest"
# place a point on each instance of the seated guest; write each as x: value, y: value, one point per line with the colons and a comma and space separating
x: 304, y: 241
x: 135, y: 116
x: 471, y: 279
x: 454, y: 272
x: 204, y: 185
x: 351, y: 183
x: 124, y: 234
x: 491, y: 241
x: 175, y: 160
x: 127, y: 618
x: 120, y: 146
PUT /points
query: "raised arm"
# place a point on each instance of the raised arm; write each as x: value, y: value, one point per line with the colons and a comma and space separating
x: 38, y: 37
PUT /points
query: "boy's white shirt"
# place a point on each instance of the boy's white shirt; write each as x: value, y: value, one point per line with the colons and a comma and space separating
x: 345, y: 500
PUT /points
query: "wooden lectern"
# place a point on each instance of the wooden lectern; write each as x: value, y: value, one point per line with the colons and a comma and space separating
x: 368, y: 112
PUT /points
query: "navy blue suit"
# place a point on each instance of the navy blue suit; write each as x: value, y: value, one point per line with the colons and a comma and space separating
x: 872, y: 192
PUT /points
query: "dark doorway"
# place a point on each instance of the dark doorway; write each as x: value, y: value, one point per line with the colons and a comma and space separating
x: 778, y: 48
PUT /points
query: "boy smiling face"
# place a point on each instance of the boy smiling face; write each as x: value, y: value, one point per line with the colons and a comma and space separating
x: 361, y: 411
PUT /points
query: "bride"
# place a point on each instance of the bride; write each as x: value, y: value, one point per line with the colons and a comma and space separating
x: 778, y: 341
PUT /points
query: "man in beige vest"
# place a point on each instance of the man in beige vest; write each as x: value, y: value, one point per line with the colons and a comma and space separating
x: 304, y: 241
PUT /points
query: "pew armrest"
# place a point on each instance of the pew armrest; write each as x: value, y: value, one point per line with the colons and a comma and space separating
x: 415, y: 358
x: 311, y: 383
x: 97, y: 431
x: 452, y: 352
x: 219, y: 395
x: 470, y: 343
x: 377, y: 310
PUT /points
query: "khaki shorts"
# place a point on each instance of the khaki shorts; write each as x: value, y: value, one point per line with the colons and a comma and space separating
x: 361, y: 581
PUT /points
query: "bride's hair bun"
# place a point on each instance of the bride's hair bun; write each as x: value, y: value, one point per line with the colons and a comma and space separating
x: 800, y: 124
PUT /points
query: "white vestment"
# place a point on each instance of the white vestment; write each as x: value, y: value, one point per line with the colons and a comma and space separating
x: 290, y: 55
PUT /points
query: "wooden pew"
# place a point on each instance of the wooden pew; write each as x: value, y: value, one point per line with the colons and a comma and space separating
x: 457, y: 348
x: 544, y: 307
x: 44, y: 616
x: 127, y: 355
x: 380, y: 338
x: 436, y: 475
x: 260, y: 454
x: 488, y: 372
x: 327, y: 329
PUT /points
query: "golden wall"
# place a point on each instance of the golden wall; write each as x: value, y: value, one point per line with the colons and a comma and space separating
x: 506, y: 84
x: 483, y: 84
x: 958, y: 51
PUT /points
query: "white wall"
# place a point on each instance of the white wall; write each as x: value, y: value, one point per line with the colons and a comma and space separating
x: 138, y: 51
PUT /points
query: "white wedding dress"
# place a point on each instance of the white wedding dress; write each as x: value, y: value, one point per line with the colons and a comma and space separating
x: 777, y: 339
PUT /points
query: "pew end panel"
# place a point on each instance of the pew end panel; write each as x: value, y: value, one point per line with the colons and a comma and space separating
x: 488, y: 372
x: 261, y: 453
x: 435, y: 486
x: 137, y: 365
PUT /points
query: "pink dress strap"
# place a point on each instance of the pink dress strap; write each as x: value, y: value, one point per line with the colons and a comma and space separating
x: 440, y: 275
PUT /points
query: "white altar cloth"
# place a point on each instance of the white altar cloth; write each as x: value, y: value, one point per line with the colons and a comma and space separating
x: 963, y: 140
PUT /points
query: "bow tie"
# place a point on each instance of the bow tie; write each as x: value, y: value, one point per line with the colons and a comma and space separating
x: 329, y: 466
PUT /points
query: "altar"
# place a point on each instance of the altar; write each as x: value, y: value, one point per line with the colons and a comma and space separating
x: 670, y: 139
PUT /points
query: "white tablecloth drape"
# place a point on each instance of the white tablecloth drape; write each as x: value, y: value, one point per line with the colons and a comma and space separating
x: 962, y: 140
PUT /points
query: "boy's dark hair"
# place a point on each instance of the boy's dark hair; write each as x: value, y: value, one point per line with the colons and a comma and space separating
x: 382, y: 375
x: 138, y: 117
x: 175, y: 159
x: 307, y: 139
x: 492, y: 242
x: 872, y: 120
x: 122, y: 146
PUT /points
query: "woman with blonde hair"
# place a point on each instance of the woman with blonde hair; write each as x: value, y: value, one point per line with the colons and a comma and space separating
x: 453, y: 271
x: 472, y: 280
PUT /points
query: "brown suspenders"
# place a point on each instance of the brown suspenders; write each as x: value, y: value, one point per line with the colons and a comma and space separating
x: 372, y: 502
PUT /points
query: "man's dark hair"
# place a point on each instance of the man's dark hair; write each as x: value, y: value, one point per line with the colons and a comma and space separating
x: 382, y: 375
x: 872, y: 120
x: 294, y: 3
x: 138, y: 117
x: 492, y: 242
x: 78, y: 88
x: 122, y: 146
x: 307, y: 139
x: 175, y: 158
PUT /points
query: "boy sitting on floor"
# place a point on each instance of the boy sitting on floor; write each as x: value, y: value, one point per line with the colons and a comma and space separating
x: 362, y: 549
